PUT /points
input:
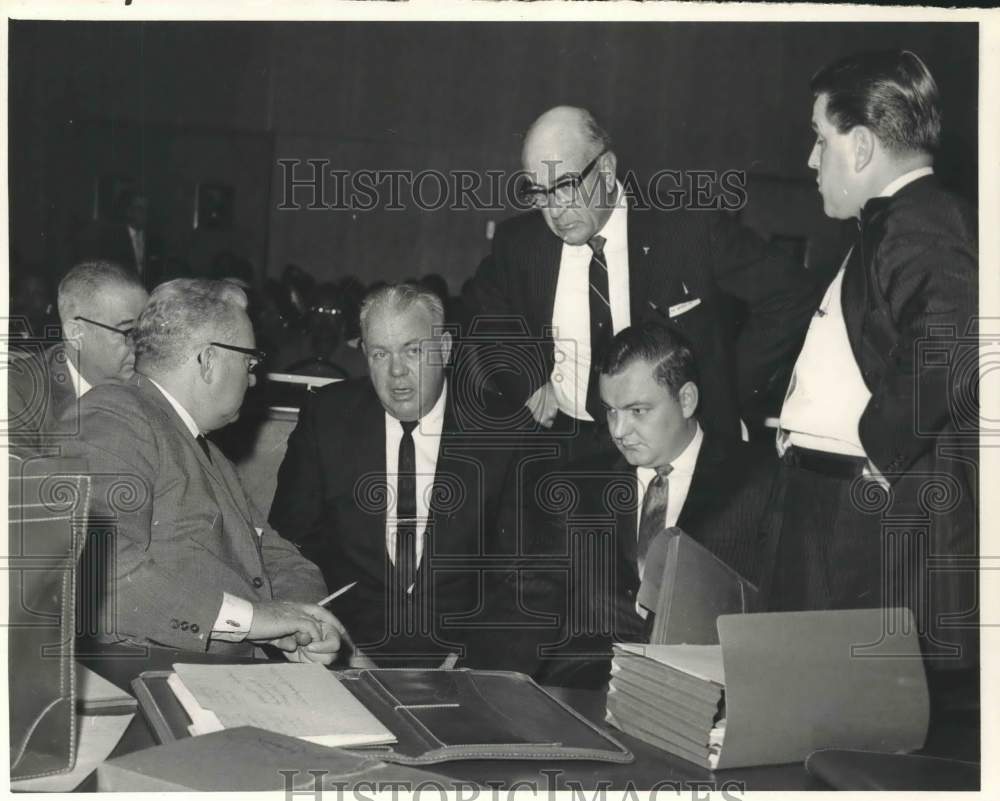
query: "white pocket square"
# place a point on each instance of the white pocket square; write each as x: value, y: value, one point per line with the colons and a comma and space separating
x: 681, y: 308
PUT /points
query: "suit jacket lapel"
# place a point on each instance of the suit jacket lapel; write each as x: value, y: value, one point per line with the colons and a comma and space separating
x: 544, y: 257
x: 703, y: 492
x: 649, y: 275
x: 212, y: 469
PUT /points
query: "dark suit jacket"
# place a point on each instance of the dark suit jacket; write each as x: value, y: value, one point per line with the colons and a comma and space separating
x: 331, y: 500
x: 910, y: 299
x: 674, y: 257
x: 592, y: 517
x: 41, y: 403
x: 111, y: 241
x: 185, y: 531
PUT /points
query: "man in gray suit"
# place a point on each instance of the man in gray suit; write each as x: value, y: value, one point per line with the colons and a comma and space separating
x: 195, y: 566
x: 98, y: 304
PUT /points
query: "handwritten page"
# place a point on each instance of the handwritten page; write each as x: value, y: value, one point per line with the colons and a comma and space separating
x: 300, y: 700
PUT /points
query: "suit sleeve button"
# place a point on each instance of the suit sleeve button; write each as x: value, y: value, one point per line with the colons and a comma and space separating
x: 184, y: 626
x: 258, y: 582
x: 194, y: 628
x: 174, y: 623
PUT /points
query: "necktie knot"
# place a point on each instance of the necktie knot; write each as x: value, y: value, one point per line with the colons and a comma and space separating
x: 596, y: 244
x: 409, y: 426
x: 663, y: 472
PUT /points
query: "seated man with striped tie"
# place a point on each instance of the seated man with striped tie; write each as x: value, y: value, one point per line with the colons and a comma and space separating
x: 667, y: 472
x: 388, y: 487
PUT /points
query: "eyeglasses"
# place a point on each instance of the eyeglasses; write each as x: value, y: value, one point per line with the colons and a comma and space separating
x: 257, y: 356
x: 563, y: 191
x: 125, y: 332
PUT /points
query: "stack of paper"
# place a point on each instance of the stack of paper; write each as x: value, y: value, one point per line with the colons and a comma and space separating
x: 671, y: 696
x: 299, y: 700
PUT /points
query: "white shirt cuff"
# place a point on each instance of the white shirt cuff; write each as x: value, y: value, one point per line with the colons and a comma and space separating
x: 234, y: 620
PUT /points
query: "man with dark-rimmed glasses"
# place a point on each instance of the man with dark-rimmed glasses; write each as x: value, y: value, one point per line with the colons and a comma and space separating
x: 196, y: 567
x: 586, y: 262
x: 99, y: 302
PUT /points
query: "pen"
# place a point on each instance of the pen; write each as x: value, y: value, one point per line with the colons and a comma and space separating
x: 336, y: 594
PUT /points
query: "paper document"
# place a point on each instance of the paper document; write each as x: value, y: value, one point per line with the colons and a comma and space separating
x: 300, y: 700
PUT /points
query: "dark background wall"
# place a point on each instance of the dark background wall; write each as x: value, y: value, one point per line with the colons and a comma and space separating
x: 177, y: 104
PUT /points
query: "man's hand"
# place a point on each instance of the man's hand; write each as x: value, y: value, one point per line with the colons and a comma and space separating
x: 297, y: 627
x: 542, y: 405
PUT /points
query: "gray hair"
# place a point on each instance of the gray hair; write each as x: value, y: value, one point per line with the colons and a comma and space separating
x: 81, y: 286
x: 401, y: 297
x: 183, y: 314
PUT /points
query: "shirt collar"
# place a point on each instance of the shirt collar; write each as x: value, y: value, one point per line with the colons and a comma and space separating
x: 192, y: 426
x: 615, y: 230
x: 904, y: 179
x: 685, y: 462
x: 81, y: 386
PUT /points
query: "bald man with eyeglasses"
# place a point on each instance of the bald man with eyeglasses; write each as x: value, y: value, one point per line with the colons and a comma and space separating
x: 586, y: 262
x: 98, y: 302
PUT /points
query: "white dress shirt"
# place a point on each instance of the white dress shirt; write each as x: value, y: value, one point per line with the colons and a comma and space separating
x: 138, y: 238
x: 236, y: 614
x: 426, y: 444
x: 571, y: 312
x: 81, y: 386
x: 678, y: 482
x: 827, y: 394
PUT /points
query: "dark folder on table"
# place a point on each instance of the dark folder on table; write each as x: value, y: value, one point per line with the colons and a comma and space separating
x: 688, y: 587
x: 436, y: 716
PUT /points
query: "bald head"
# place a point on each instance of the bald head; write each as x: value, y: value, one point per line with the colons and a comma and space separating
x: 562, y: 130
x: 563, y: 142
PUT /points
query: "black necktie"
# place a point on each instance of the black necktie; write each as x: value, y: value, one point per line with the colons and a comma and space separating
x: 203, y: 444
x: 601, y: 331
x: 654, y: 513
x: 406, y: 509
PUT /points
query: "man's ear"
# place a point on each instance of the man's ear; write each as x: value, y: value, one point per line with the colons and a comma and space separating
x: 687, y: 395
x: 73, y: 334
x: 864, y: 146
x: 207, y: 363
x: 445, y: 345
x: 609, y: 170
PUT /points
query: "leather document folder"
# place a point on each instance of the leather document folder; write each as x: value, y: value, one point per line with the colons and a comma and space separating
x: 438, y: 716
x: 251, y: 759
x: 49, y: 501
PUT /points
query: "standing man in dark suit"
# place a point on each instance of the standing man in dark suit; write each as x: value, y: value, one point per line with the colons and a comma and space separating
x: 668, y: 472
x: 98, y: 303
x: 126, y: 241
x: 879, y: 429
x: 195, y: 566
x: 388, y: 484
x: 586, y: 263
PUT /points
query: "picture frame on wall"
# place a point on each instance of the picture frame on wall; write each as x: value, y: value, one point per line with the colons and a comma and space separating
x: 213, y: 207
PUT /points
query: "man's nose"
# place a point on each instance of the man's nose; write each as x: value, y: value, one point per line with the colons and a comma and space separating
x: 397, y: 366
x: 618, y: 425
x: 813, y: 162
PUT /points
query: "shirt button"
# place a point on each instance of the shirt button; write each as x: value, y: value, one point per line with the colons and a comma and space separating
x: 258, y: 582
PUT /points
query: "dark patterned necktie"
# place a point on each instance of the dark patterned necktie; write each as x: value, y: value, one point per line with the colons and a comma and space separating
x: 654, y: 513
x: 406, y: 509
x: 203, y: 444
x: 601, y: 331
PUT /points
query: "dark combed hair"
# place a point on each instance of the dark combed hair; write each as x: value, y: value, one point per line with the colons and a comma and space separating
x: 658, y: 344
x: 891, y: 92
